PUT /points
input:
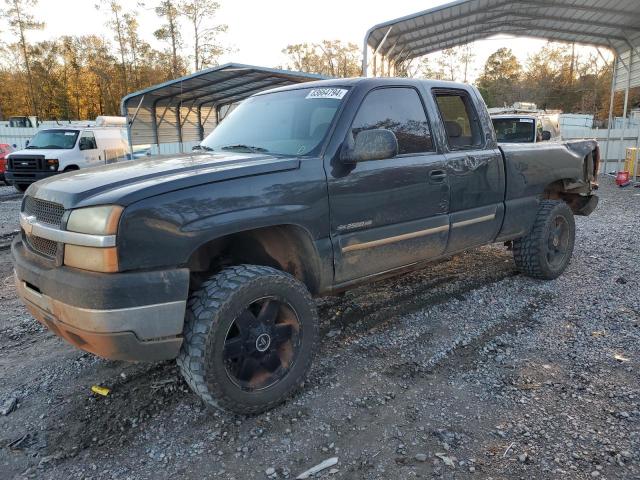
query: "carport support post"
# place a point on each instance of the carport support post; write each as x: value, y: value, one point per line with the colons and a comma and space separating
x: 625, y: 121
x: 621, y: 156
x: 179, y: 127
x: 200, y: 127
x: 154, y: 125
x: 610, y: 121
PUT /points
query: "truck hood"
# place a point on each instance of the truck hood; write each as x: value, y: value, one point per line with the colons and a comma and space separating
x: 128, y: 182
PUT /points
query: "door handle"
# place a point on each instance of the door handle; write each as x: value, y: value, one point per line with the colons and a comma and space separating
x: 437, y: 176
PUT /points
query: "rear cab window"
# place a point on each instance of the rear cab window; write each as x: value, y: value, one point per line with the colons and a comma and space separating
x: 460, y: 119
x: 399, y: 109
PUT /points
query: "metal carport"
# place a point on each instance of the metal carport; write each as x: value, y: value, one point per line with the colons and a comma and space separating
x: 173, y: 115
x: 611, y: 24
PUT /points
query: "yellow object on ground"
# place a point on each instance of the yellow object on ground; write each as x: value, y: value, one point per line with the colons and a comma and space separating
x: 104, y: 391
x: 631, y: 159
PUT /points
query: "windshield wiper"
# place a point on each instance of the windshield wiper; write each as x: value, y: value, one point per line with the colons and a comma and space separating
x: 245, y: 147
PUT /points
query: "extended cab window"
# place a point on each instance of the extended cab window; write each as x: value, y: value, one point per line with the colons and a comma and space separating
x: 460, y: 119
x: 399, y: 110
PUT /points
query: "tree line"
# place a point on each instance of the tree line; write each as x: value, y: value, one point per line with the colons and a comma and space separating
x: 80, y: 77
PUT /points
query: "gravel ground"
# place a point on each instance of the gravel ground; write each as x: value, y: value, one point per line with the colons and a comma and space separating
x: 463, y: 370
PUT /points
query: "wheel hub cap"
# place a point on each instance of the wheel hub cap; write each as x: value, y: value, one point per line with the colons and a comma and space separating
x: 262, y: 342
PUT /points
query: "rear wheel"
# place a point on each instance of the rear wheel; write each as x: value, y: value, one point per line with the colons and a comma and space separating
x: 250, y: 334
x: 546, y: 251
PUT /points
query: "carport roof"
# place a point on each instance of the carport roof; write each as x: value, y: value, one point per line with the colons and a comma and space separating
x: 221, y: 85
x: 614, y: 24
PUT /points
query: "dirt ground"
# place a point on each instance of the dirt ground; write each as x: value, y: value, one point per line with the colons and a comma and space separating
x: 463, y: 370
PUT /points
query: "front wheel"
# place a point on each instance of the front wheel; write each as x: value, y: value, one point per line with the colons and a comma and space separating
x: 546, y: 250
x: 20, y: 187
x: 249, y: 338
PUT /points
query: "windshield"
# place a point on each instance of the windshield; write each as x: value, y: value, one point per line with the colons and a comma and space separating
x: 515, y: 130
x: 54, y: 139
x: 292, y: 122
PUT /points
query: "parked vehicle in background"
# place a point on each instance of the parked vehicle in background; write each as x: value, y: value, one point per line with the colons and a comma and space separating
x: 213, y: 257
x: 5, y: 149
x: 526, y: 126
x: 23, y: 122
x: 62, y: 149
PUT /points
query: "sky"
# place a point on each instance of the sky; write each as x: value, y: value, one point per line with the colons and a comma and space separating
x: 259, y: 30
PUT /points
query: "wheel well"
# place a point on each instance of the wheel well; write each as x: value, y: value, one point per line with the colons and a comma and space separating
x: 69, y: 168
x: 286, y: 247
x: 573, y: 197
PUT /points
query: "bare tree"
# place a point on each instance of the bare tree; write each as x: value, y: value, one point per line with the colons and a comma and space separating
x: 20, y: 22
x: 170, y: 32
x: 330, y: 57
x: 466, y: 56
x: 206, y: 48
x: 118, y: 24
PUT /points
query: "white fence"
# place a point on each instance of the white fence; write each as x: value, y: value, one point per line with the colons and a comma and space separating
x: 170, y: 148
x: 619, y: 141
x: 16, y: 136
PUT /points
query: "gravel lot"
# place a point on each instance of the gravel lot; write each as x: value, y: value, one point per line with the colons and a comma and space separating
x: 463, y: 370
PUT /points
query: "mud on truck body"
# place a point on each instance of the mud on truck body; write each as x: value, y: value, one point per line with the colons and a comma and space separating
x: 213, y: 258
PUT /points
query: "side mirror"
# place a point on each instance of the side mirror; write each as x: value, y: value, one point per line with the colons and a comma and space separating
x: 26, y: 144
x: 376, y: 144
x: 196, y: 148
x: 546, y: 135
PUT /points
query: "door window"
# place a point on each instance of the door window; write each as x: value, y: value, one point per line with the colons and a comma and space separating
x: 87, y: 141
x: 460, y: 119
x: 399, y: 110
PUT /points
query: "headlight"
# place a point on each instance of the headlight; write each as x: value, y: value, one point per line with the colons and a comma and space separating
x: 95, y: 220
x: 102, y: 221
x: 52, y: 164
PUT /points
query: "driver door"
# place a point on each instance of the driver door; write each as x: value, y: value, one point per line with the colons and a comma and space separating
x: 390, y: 213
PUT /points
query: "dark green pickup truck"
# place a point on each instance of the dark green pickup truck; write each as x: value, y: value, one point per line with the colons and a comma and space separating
x: 214, y: 257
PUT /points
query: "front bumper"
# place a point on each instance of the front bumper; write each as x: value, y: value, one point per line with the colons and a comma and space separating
x: 26, y: 177
x: 135, y: 316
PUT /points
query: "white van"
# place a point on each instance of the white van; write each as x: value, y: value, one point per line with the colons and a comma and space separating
x: 72, y: 147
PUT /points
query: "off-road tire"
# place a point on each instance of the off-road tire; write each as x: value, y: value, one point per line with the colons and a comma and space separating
x: 210, y: 312
x: 530, y: 252
x: 20, y: 187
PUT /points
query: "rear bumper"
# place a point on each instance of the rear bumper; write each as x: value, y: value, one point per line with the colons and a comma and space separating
x: 124, y: 316
x: 26, y: 177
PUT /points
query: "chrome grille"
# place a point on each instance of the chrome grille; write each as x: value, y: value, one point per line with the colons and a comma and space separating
x: 40, y: 245
x: 44, y: 211
x: 27, y: 163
